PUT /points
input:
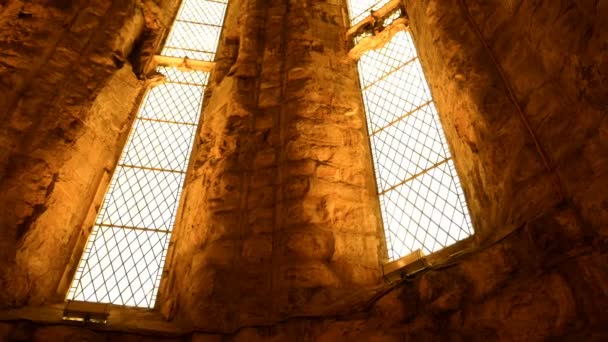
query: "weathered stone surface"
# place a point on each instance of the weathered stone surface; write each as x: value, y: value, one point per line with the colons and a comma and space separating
x: 277, y: 236
x: 295, y: 171
x: 69, y: 91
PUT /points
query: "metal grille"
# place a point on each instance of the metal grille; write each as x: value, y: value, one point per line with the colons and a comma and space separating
x: 196, y: 30
x: 123, y: 261
x: 360, y: 9
x: 422, y: 203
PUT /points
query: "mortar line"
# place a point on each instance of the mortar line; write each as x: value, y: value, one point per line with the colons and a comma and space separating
x: 280, y: 159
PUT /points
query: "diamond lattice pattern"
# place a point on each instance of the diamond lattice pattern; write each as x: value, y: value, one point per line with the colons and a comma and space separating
x: 360, y: 9
x: 422, y: 203
x: 123, y: 261
x: 196, y: 31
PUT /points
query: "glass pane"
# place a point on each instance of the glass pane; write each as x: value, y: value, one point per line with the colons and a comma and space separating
x: 196, y: 31
x: 422, y: 203
x: 377, y: 63
x: 173, y: 102
x: 121, y: 266
x: 159, y: 145
x: 360, y: 9
x: 125, y: 254
x: 426, y: 213
x: 142, y: 198
x: 408, y: 147
x: 395, y: 95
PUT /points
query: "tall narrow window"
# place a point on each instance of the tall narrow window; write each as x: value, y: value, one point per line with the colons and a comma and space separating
x: 422, y: 203
x: 125, y: 254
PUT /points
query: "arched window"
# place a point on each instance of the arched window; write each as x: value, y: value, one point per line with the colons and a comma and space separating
x: 422, y: 203
x: 124, y: 258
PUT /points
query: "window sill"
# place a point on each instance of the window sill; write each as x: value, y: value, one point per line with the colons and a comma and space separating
x: 416, y: 262
x: 123, y: 319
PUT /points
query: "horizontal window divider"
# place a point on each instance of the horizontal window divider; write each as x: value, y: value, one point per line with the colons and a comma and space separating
x: 390, y: 73
x: 167, y: 121
x: 188, y: 49
x: 378, y: 40
x: 150, y: 168
x: 401, y: 117
x: 373, y: 17
x: 218, y: 2
x: 202, y: 85
x: 184, y: 62
x: 197, y: 23
x: 423, y: 172
x: 105, y: 225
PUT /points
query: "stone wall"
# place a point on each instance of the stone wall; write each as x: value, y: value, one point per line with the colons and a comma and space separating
x: 527, y: 129
x: 276, y: 239
x: 68, y: 93
x: 516, y: 289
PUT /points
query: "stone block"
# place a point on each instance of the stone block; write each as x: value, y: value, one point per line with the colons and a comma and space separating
x: 265, y: 121
x: 309, y: 243
x: 220, y: 253
x: 296, y: 187
x: 270, y: 97
x: 196, y: 337
x: 262, y: 178
x: 257, y: 248
x: 261, y: 197
x: 488, y: 270
x: 300, y: 168
x: 329, y: 173
x: 356, y: 248
x: 310, y: 274
x: 264, y: 159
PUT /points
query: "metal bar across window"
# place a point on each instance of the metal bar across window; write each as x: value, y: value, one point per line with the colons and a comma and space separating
x: 125, y: 254
x: 422, y: 203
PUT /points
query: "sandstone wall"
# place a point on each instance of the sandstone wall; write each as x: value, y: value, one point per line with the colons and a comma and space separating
x: 279, y: 212
x: 521, y: 91
x: 68, y: 92
x: 276, y: 239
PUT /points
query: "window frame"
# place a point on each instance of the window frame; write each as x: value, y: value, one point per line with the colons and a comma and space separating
x: 105, y: 183
x: 416, y: 261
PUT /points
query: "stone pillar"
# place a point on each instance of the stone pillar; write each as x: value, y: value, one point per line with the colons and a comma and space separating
x: 280, y: 215
x: 327, y: 243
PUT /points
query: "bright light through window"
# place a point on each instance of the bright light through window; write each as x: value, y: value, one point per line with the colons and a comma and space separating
x: 359, y: 9
x: 124, y: 258
x: 422, y: 203
x: 196, y: 30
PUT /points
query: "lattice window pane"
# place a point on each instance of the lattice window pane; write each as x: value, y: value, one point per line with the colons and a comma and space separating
x: 173, y: 102
x: 426, y: 213
x: 192, y: 38
x: 196, y: 31
x: 122, y: 266
x: 194, y: 77
x: 142, y: 198
x: 398, y: 93
x: 422, y: 203
x: 203, y: 12
x: 126, y: 251
x: 407, y: 148
x: 159, y: 145
x: 378, y: 63
x: 359, y: 9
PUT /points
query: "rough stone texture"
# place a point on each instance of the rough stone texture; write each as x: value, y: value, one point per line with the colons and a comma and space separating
x: 68, y: 94
x: 276, y: 239
x: 513, y: 290
x: 279, y: 201
x: 527, y: 129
